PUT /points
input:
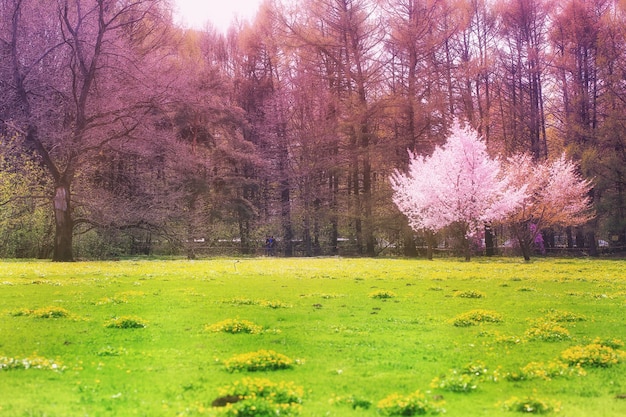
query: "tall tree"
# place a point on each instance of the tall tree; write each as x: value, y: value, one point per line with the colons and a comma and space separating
x: 420, y: 80
x: 577, y: 38
x: 265, y: 96
x: 79, y: 85
x: 210, y: 155
x: 477, y: 41
x: 347, y: 35
x: 524, y: 29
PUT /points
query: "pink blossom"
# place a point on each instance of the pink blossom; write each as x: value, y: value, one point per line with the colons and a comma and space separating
x: 459, y: 183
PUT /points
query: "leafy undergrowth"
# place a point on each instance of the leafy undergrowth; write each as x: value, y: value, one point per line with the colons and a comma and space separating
x: 379, y: 337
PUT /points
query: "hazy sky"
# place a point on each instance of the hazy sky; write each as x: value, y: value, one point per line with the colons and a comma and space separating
x: 195, y: 13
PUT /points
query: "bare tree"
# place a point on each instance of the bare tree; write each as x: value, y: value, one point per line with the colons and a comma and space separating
x: 82, y: 82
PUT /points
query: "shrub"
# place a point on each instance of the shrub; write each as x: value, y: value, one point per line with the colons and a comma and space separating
x: 36, y: 362
x: 262, y: 360
x: 234, y: 326
x: 111, y: 351
x: 476, y: 368
x: 325, y: 296
x: 564, y: 316
x: 475, y: 317
x: 612, y: 343
x: 547, y: 331
x: 469, y: 294
x: 126, y: 322
x: 258, y: 397
x: 239, y: 301
x: 455, y: 382
x: 545, y: 371
x: 51, y: 312
x: 273, y: 304
x: 408, y: 405
x: 594, y: 355
x: 120, y: 298
x: 21, y: 312
x: 111, y: 300
x: 259, y: 407
x: 531, y: 405
x: 382, y: 294
x: 355, y: 402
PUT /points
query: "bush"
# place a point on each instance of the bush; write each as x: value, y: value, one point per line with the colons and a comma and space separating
x: 111, y: 351
x: 545, y: 371
x: 355, y: 402
x: 612, y: 343
x: 408, y: 405
x: 531, y: 405
x: 262, y: 360
x: 275, y: 304
x: 547, y: 331
x: 476, y: 368
x: 257, y: 397
x: 475, y: 317
x: 594, y: 355
x: 126, y: 322
x: 470, y: 294
x: 455, y: 382
x: 51, y: 312
x: 382, y: 294
x: 234, y: 326
x: 564, y: 316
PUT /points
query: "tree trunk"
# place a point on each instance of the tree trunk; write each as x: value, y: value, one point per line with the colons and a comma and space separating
x: 370, y: 240
x: 525, y: 247
x: 410, y: 249
x: 244, y: 236
x: 580, y: 238
x: 570, y: 238
x: 490, y: 248
x: 64, y: 224
x: 430, y: 244
x: 191, y: 233
x: 521, y: 233
x: 591, y: 242
x: 333, y: 183
x: 285, y: 212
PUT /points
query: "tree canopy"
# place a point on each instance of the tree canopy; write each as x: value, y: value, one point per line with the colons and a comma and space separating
x: 145, y: 137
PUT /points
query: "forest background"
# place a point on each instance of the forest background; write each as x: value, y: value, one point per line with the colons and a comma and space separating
x: 124, y: 134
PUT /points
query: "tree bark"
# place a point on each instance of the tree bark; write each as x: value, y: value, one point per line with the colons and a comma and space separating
x: 430, y: 244
x: 410, y: 249
x: 285, y: 204
x: 63, y: 223
x: 521, y: 233
x: 490, y: 249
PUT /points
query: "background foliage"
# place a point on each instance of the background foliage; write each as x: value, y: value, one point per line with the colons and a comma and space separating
x: 151, y: 138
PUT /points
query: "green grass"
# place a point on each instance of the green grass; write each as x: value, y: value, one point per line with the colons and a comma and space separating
x: 349, y: 346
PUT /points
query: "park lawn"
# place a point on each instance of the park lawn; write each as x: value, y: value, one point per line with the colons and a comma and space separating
x: 356, y: 331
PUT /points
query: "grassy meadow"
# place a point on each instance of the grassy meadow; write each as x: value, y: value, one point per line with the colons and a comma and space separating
x: 313, y: 337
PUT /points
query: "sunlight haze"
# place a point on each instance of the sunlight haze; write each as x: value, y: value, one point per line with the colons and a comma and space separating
x: 219, y: 13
